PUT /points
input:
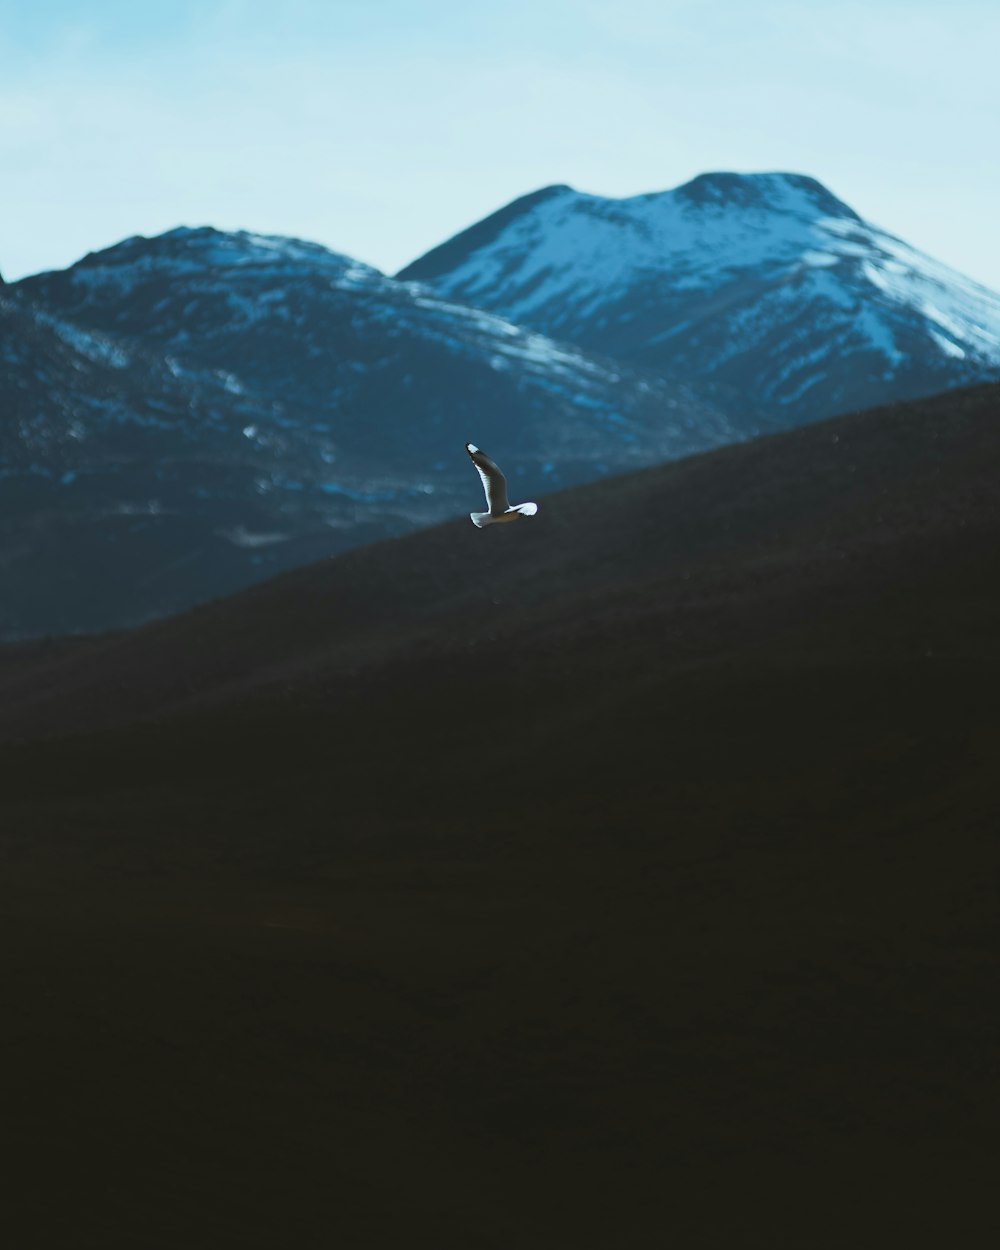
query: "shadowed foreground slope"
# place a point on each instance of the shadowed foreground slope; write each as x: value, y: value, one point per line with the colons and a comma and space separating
x: 627, y: 879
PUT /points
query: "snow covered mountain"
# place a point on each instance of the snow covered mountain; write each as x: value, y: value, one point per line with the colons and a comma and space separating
x: 189, y: 413
x: 766, y: 282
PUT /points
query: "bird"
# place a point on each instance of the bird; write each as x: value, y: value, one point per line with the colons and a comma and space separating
x: 495, y: 485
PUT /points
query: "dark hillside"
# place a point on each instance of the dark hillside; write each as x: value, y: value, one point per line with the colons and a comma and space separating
x: 624, y: 877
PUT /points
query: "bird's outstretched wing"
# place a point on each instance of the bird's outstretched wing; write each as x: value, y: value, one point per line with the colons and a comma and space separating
x: 494, y: 482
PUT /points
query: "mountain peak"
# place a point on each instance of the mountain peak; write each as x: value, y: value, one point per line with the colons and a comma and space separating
x: 781, y: 192
x: 204, y: 247
x: 796, y: 196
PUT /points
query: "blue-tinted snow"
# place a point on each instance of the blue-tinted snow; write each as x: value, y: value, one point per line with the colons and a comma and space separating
x: 95, y: 347
x: 947, y: 346
x: 240, y: 536
x: 598, y: 245
x: 583, y: 252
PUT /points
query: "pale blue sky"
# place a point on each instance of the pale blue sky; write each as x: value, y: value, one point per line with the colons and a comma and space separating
x: 380, y: 127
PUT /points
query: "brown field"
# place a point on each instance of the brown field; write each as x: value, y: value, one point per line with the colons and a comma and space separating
x: 621, y: 879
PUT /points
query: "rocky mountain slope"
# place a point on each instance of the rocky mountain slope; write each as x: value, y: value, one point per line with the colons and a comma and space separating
x: 127, y: 486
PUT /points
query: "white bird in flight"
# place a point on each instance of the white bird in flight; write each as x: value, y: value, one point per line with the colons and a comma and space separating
x: 495, y: 485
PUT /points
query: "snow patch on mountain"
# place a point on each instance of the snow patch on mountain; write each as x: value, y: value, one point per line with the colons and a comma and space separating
x: 95, y: 347
x: 905, y: 277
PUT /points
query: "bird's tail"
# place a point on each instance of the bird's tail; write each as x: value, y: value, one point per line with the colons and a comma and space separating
x: 526, y: 509
x: 479, y: 519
